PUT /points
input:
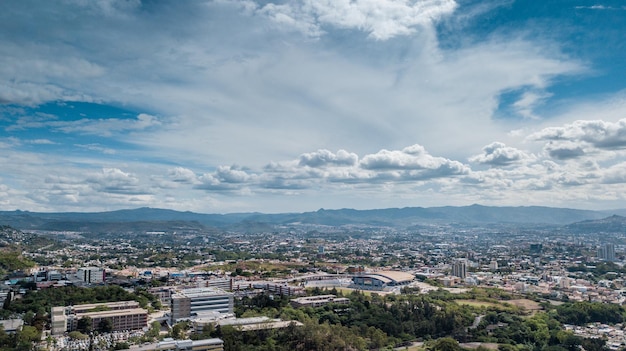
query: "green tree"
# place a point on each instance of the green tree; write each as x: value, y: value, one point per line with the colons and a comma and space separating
x: 105, y: 325
x: 85, y: 325
x: 446, y: 344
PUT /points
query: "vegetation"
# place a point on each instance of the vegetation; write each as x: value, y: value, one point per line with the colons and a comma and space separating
x: 581, y: 313
x: 379, y: 322
x: 12, y: 260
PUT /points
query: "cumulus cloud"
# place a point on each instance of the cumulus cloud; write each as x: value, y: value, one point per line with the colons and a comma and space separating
x: 321, y: 158
x: 116, y: 181
x: 182, y: 175
x: 381, y: 19
x: 411, y: 158
x: 564, y: 150
x: 615, y: 174
x: 498, y: 154
x: 599, y: 133
x: 225, y: 178
x: 323, y: 168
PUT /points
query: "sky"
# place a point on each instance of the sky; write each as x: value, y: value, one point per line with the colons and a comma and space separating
x: 222, y: 106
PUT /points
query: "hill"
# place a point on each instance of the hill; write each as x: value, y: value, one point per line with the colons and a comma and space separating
x: 614, y: 224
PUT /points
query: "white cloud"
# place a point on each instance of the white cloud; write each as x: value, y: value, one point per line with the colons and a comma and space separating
x: 563, y: 150
x: 615, y: 174
x: 413, y: 158
x: 225, y: 178
x: 599, y: 133
x: 381, y: 19
x: 182, y: 175
x: 498, y: 154
x: 97, y: 148
x: 100, y: 126
x: 322, y: 158
x: 115, y: 181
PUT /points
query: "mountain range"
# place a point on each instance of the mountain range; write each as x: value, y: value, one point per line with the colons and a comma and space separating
x: 149, y: 219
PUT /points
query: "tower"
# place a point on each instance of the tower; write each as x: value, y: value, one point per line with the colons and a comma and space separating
x: 459, y: 269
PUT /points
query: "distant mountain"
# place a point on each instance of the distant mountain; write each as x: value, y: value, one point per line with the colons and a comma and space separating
x: 150, y: 219
x: 613, y: 224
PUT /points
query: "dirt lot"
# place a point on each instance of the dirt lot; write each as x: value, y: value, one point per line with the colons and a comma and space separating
x: 529, y: 305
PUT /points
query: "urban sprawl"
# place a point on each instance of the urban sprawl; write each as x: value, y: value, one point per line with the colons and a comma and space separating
x: 208, y: 291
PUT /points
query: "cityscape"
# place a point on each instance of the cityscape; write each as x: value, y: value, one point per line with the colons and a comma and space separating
x: 313, y: 175
x: 213, y: 289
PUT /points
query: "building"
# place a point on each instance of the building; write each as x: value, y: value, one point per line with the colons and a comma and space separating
x: 224, y: 284
x: 5, y: 292
x: 381, y: 280
x: 186, y: 345
x: 55, y: 276
x: 92, y: 275
x: 125, y: 315
x: 187, y: 303
x: 243, y: 324
x: 317, y: 301
x: 459, y: 269
x: 247, y: 288
x: 164, y: 294
x: 12, y: 326
x: 606, y: 252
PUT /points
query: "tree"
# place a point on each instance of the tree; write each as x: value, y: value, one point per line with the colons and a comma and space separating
x: 154, y: 330
x: 105, y: 326
x: 446, y: 344
x: 26, y: 337
x: 85, y: 325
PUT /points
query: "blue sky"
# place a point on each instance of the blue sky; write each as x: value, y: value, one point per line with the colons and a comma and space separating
x: 221, y: 106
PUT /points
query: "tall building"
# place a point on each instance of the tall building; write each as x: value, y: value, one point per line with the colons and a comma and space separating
x: 190, y: 302
x: 93, y: 275
x: 606, y: 252
x: 459, y: 269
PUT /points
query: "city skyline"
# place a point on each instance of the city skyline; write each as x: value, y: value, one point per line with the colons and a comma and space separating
x: 238, y: 106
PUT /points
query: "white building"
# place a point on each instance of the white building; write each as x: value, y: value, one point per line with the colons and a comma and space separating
x: 93, y: 275
x: 606, y: 252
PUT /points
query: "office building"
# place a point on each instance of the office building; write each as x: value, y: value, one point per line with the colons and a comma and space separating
x: 188, y: 303
x: 92, y: 275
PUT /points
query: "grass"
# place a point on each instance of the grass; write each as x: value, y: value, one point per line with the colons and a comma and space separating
x: 478, y: 303
x: 526, y: 305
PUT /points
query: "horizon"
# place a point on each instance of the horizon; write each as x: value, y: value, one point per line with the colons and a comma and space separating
x: 320, y: 209
x: 279, y: 107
